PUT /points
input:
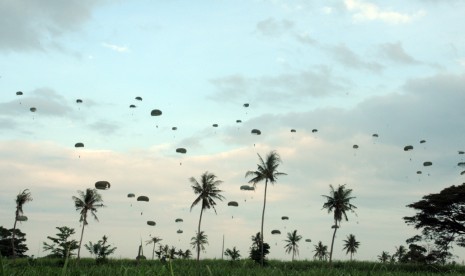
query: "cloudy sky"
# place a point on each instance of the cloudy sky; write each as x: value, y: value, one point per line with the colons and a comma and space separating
x: 349, y: 69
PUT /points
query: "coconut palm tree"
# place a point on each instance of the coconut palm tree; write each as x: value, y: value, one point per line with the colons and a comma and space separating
x: 321, y: 251
x: 338, y: 202
x: 384, y: 257
x: 153, y: 240
x: 292, y: 243
x: 199, y: 241
x: 266, y: 170
x: 21, y: 199
x: 207, y: 191
x: 351, y: 245
x: 85, y: 202
x: 232, y: 253
x: 401, y: 251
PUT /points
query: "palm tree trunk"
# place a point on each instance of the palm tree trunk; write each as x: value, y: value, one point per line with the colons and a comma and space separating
x: 198, y: 235
x: 351, y: 256
x: 82, y: 234
x: 293, y: 254
x: 263, y: 219
x: 13, y: 236
x: 153, y: 251
x: 332, y: 243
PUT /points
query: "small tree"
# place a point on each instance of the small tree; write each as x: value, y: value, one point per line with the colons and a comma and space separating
x: 256, y: 250
x: 321, y: 251
x: 232, y: 253
x: 62, y: 246
x: 153, y: 240
x: 292, y: 243
x: 101, y: 250
x: 351, y: 245
x: 384, y: 257
x: 21, y: 199
x: 5, y: 243
x: 199, y: 241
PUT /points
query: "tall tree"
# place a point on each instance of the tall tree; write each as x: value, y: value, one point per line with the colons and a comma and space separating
x: 85, y: 202
x: 338, y: 202
x: 321, y: 251
x: 292, y: 243
x: 207, y: 191
x: 267, y: 170
x: 153, y: 240
x: 5, y: 243
x: 62, y: 246
x: 441, y: 218
x: 351, y: 245
x: 199, y: 241
x: 21, y: 199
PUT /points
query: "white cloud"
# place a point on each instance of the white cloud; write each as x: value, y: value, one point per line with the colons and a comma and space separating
x: 117, y: 48
x: 364, y: 11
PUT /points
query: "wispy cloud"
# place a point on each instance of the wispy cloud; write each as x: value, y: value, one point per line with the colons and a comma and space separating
x: 364, y: 11
x: 114, y: 47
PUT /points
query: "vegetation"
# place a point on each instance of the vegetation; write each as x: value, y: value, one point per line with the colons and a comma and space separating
x: 21, y: 199
x: 321, y: 252
x: 338, y: 202
x: 292, y: 243
x: 266, y: 170
x: 233, y: 254
x: 207, y: 191
x: 154, y: 241
x: 62, y: 246
x: 5, y: 243
x: 199, y: 241
x: 88, y: 201
x: 351, y: 245
x: 101, y: 250
x: 259, y: 250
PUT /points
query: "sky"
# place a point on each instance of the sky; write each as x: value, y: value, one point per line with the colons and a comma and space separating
x: 347, y: 69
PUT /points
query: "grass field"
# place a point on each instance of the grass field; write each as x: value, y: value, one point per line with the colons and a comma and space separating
x: 216, y: 267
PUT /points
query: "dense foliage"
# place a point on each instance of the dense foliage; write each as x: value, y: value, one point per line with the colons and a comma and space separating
x: 5, y: 242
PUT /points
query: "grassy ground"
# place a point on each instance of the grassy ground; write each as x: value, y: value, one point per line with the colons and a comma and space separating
x: 217, y: 267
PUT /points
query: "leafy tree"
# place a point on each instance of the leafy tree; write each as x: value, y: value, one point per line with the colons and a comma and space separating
x: 292, y: 243
x: 199, y: 241
x: 256, y: 253
x: 441, y: 218
x: 351, y: 245
x: 207, y: 191
x: 5, y: 243
x: 232, y: 253
x: 266, y: 170
x: 321, y: 251
x: 88, y: 201
x: 101, y: 250
x: 62, y: 246
x: 153, y: 240
x: 338, y: 202
x: 401, y: 253
x: 21, y: 199
x: 384, y: 257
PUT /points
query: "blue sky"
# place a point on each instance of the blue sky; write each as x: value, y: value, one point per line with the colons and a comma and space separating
x: 347, y: 68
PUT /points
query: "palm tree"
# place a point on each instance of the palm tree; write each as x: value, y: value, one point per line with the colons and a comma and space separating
x: 187, y: 254
x: 199, y: 241
x: 351, y: 245
x: 321, y: 251
x: 153, y: 240
x: 207, y: 191
x: 232, y: 253
x: 384, y: 257
x: 292, y: 246
x: 90, y: 200
x: 266, y: 170
x: 338, y: 202
x: 401, y: 251
x: 21, y: 199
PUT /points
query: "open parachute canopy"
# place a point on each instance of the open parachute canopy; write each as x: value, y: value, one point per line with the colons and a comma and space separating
x: 427, y: 163
x: 132, y: 106
x: 308, y: 240
x: 238, y: 121
x: 355, y: 146
x: 181, y: 150
x: 139, y: 98
x: 292, y: 130
x: 131, y: 195
x: 151, y: 223
x: 375, y: 135
x: 419, y: 172
x: 179, y: 231
x: 233, y: 203
x: 178, y: 220
x: 256, y: 131
x: 19, y: 93
x: 408, y: 148
x: 102, y: 185
x: 461, y: 164
x: 21, y: 218
x: 33, y: 109
x: 247, y: 188
x: 215, y: 125
x: 78, y: 101
x: 275, y: 232
x: 314, y: 130
x: 174, y: 128
x: 246, y: 105
x: 285, y: 218
x: 79, y: 145
x: 156, y: 112
x: 422, y: 141
x: 143, y: 198
x: 461, y: 152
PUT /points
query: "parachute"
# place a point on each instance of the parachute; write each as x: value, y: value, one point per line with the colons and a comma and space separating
x: 79, y: 145
x: 179, y: 231
x: 78, y: 101
x: 461, y: 164
x: 132, y: 106
x: 131, y: 195
x: 247, y: 188
x: 102, y: 185
x: 256, y: 131
x: 179, y: 220
x: 139, y: 98
x: 375, y: 135
x: 292, y: 130
x: 174, y: 128
x: 151, y: 223
x: 418, y: 172
x: 462, y: 173
x: 233, y: 203
x: 355, y: 146
x: 215, y: 125
x: 427, y: 163
x: 33, y: 109
x: 21, y: 218
x: 308, y: 240
x: 275, y: 232
x: 143, y: 198
x: 461, y: 152
x: 285, y: 218
x: 314, y: 130
x: 246, y: 105
x: 422, y: 141
x: 408, y: 148
x: 181, y: 150
x: 238, y: 121
x: 19, y: 93
x: 156, y: 112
